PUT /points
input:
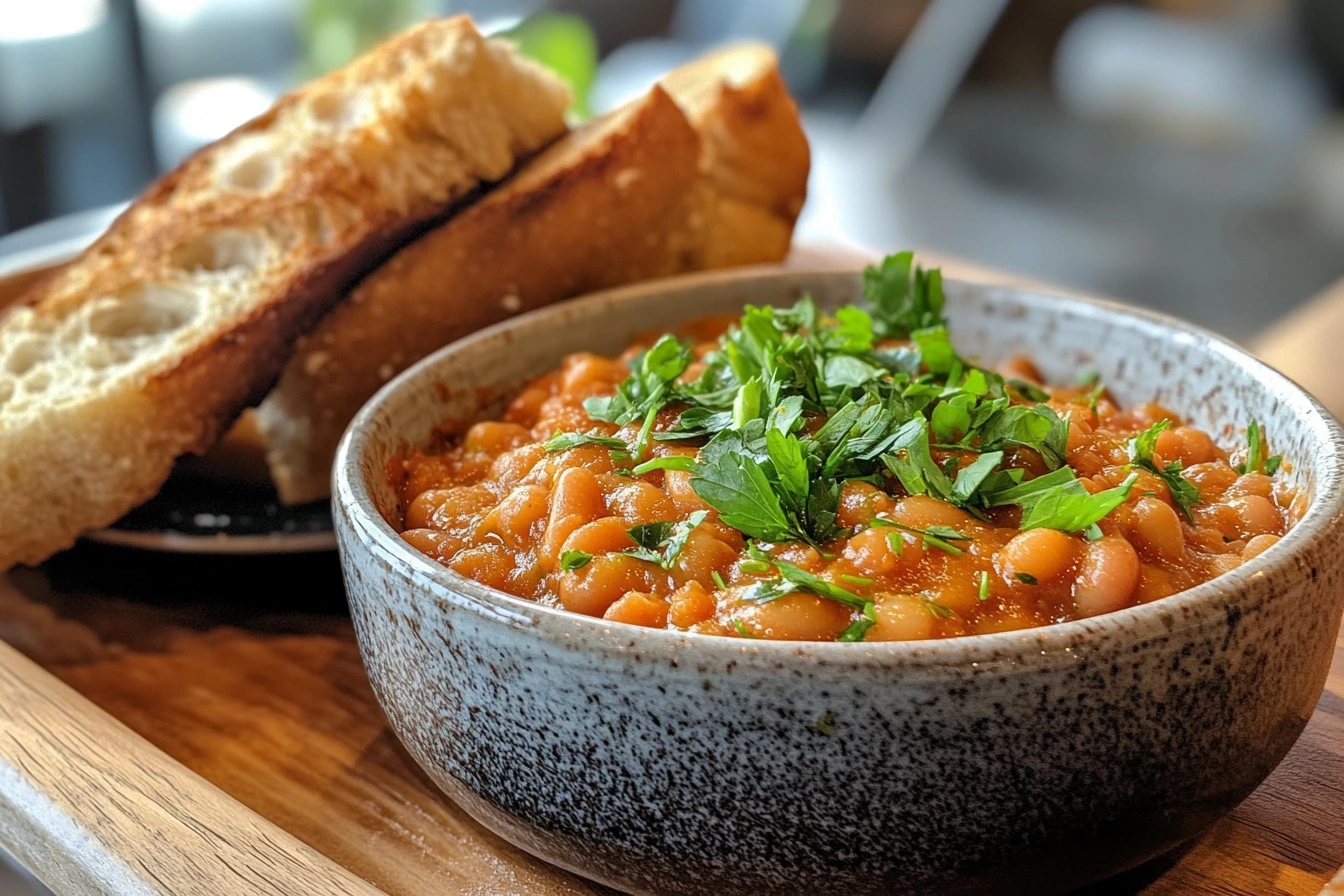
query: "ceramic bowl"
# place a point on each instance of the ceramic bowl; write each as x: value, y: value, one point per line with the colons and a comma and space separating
x: 1024, y: 762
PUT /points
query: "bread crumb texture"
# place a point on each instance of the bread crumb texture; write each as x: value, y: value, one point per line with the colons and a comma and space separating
x: 149, y: 344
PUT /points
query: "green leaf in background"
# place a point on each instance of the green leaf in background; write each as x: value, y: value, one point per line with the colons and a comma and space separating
x: 336, y: 31
x: 565, y: 44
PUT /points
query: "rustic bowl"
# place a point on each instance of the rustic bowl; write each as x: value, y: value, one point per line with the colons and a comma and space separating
x: 1022, y: 762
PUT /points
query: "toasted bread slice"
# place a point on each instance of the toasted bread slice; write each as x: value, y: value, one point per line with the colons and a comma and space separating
x: 754, y: 157
x: 149, y: 343
x: 709, y: 172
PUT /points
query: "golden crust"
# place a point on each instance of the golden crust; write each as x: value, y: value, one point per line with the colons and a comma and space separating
x: 709, y: 172
x: 149, y: 344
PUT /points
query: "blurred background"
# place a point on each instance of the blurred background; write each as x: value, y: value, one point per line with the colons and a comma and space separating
x: 1184, y: 154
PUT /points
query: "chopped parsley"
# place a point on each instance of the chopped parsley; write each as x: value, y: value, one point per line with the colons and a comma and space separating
x: 1255, y: 461
x: 662, y: 542
x: 648, y: 386
x: 789, y: 579
x: 659, y: 542
x: 858, y: 629
x: 671, y: 462
x: 940, y: 537
x: 564, y: 441
x: 1058, y: 500
x: 1184, y: 493
x: 793, y: 403
x: 1255, y: 450
x: 938, y: 611
x: 572, y: 560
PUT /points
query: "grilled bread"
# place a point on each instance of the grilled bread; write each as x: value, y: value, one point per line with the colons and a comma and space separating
x: 149, y: 344
x: 707, y: 170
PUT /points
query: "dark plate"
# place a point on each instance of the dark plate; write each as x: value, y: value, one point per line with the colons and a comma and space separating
x: 203, y: 516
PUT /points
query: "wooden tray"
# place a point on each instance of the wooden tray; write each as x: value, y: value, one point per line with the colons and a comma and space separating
x: 204, y: 725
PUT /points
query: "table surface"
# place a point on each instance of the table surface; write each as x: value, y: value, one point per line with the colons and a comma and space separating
x: 205, y: 723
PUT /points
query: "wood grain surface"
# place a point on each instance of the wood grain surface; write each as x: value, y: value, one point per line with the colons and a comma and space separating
x: 94, y: 810
x: 245, y: 671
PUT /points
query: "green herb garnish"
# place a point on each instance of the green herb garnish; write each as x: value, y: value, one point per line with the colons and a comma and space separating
x: 1025, y: 578
x: 564, y: 441
x: 938, y: 610
x: 858, y: 629
x: 984, y: 585
x: 1255, y: 450
x: 940, y: 537
x: 1058, y: 500
x: 1183, y: 492
x: 671, y: 462
x: 648, y: 387
x: 1256, y: 462
x: 793, y: 403
x: 662, y: 542
x: 572, y: 560
x: 791, y: 578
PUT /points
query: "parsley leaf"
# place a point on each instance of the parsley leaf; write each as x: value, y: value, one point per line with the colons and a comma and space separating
x: 793, y: 578
x: 935, y: 349
x: 650, y: 535
x: 790, y: 462
x: 806, y: 581
x: 909, y: 459
x: 972, y: 476
x: 1038, y: 428
x: 671, y: 462
x: 739, y: 489
x: 1058, y: 500
x: 572, y: 560
x: 681, y: 534
x: 1255, y: 450
x: 662, y: 542
x: 563, y: 441
x: 903, y: 295
x: 696, y: 422
x: 1183, y: 492
x: 1143, y: 445
x: 647, y: 388
x: 1072, y: 510
x: 858, y: 629
x: 940, y: 537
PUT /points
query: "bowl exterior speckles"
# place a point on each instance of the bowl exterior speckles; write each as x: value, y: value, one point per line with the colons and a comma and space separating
x: 1028, y: 762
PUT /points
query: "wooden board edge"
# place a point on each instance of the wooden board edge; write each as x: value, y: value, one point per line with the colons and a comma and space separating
x: 90, y: 807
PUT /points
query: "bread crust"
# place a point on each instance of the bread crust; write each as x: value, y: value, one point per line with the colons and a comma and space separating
x: 709, y: 172
x: 148, y: 345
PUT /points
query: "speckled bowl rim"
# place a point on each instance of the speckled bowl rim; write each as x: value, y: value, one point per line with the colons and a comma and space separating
x: 1158, y: 619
